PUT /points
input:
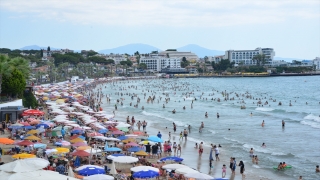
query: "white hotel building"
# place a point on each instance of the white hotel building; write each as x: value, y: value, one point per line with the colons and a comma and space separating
x: 245, y: 56
x: 157, y: 62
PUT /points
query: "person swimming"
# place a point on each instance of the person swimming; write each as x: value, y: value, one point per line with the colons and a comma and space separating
x: 263, y: 145
x: 174, y: 111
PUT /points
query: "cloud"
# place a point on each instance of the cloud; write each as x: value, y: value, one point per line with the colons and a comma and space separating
x: 177, y: 13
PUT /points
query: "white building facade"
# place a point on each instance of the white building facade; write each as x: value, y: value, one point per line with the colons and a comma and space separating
x: 176, y: 54
x: 156, y: 62
x: 316, y: 62
x: 245, y: 56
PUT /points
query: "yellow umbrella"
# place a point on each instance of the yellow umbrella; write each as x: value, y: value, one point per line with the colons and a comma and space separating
x: 62, y: 150
x: 83, y: 147
x: 45, y: 98
x: 32, y: 137
x: 127, y: 140
x: 23, y: 156
x: 141, y: 153
x: 76, y: 140
x: 144, y: 142
x: 60, y: 101
x: 32, y: 131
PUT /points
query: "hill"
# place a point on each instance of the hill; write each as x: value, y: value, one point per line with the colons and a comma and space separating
x: 200, y: 51
x: 130, y: 49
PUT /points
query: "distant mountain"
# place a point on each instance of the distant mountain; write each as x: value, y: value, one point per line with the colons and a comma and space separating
x: 200, y: 51
x: 131, y: 49
x: 36, y: 47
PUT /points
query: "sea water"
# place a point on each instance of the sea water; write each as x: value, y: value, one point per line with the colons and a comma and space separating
x: 297, y: 144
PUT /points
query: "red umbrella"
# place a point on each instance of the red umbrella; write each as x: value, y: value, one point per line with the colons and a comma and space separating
x: 80, y: 153
x: 79, y: 144
x: 25, y: 143
x: 74, y: 136
x: 30, y: 112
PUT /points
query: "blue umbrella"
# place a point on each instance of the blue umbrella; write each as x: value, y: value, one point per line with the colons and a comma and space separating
x: 44, y: 125
x: 122, y: 137
x: 29, y: 127
x: 112, y: 149
x: 77, y: 131
x: 102, y: 131
x: 82, y: 137
x: 91, y: 171
x: 155, y: 139
x: 172, y: 158
x: 43, y: 146
x: 145, y: 174
x: 15, y: 127
x: 135, y: 149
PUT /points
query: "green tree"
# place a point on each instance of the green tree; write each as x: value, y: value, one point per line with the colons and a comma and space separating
x: 29, y: 100
x: 13, y: 84
x: 41, y: 52
x: 184, y: 62
x: 142, y: 66
x: 260, y: 59
x: 91, y: 53
x: 48, y: 49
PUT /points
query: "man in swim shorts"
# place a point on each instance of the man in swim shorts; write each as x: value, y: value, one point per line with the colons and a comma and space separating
x: 185, y: 134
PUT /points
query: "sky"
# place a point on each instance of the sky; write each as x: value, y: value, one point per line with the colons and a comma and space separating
x: 291, y: 27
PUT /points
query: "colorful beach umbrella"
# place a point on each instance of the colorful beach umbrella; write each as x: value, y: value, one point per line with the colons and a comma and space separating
x: 31, y: 112
x: 6, y: 141
x: 76, y: 140
x: 155, y: 139
x: 80, y: 153
x: 135, y: 149
x: 141, y: 153
x: 33, y: 131
x: 91, y: 171
x: 77, y: 144
x: 146, y: 174
x: 117, y: 132
x: 83, y: 147
x: 32, y: 137
x: 172, y: 158
x: 62, y: 150
x: 122, y: 137
x: 23, y: 156
x: 25, y: 143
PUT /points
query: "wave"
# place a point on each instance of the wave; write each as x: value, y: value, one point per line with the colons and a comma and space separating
x: 256, y: 166
x: 263, y: 109
x: 263, y: 150
x: 178, y: 123
x: 199, y: 141
x: 212, y: 131
x: 312, y: 124
x: 190, y: 98
x: 312, y: 117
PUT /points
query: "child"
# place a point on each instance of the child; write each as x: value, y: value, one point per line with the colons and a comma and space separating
x: 256, y: 159
x: 169, y: 135
x: 317, y: 169
x: 280, y: 166
x: 253, y: 159
x: 196, y: 146
x: 224, y: 171
x: 181, y: 137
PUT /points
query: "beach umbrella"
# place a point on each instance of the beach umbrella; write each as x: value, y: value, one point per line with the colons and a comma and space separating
x: 23, y: 156
x: 102, y: 131
x: 117, y: 132
x: 88, y: 166
x: 39, y: 145
x: 132, y: 144
x: 98, y: 177
x: 113, y: 169
x: 91, y: 171
x: 144, y: 168
x: 132, y: 135
x: 198, y: 176
x: 80, y: 153
x: 172, y: 158
x: 155, y: 139
x: 77, y: 131
x: 124, y: 129
x: 93, y: 151
x: 112, y: 149
x: 138, y: 133
x: 174, y: 166
x: 33, y: 131
x: 29, y: 127
x: 32, y: 137
x: 34, y: 175
x: 62, y: 150
x: 74, y: 137
x: 112, y: 156
x: 94, y: 134
x: 6, y: 141
x: 185, y: 170
x: 30, y: 112
x: 24, y: 165
x: 34, y: 122
x: 25, y: 123
x: 141, y: 153
x: 77, y: 144
x: 125, y: 159
x: 122, y: 125
x: 76, y: 140
x: 147, y: 174
x: 135, y: 149
x: 83, y: 147
x: 25, y: 143
x: 122, y: 137
x: 128, y: 140
x: 44, y: 125
x: 113, y: 129
x: 16, y: 126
